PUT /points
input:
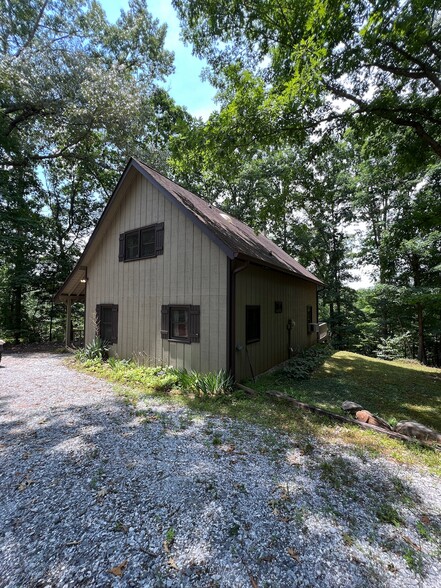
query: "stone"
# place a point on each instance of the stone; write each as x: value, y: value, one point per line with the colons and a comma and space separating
x: 365, y: 416
x: 349, y: 406
x: 417, y: 430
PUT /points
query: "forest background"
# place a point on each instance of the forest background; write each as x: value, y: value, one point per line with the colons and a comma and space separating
x: 326, y: 135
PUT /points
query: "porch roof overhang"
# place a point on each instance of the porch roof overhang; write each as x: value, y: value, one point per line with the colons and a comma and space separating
x: 74, y: 288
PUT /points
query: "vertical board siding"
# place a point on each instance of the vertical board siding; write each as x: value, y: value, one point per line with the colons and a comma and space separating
x: 192, y: 270
x: 258, y: 286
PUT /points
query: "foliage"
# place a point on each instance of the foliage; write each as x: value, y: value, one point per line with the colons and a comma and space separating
x: 394, y: 347
x: 303, y: 364
x: 320, y: 61
x: 128, y: 372
x: 78, y: 95
x: 205, y: 385
x: 97, y: 349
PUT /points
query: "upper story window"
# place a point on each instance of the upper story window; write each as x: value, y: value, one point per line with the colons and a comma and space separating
x: 142, y: 243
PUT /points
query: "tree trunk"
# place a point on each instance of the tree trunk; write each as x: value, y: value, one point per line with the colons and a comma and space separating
x: 16, y: 313
x: 421, y: 346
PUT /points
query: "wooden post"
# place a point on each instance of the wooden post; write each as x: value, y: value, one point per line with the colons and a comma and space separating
x: 68, y: 321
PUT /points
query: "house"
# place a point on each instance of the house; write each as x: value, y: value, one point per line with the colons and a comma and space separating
x: 176, y: 281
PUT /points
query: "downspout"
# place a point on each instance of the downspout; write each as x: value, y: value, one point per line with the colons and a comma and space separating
x: 232, y: 314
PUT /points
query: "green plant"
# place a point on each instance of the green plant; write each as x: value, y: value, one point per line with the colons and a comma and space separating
x: 205, y: 385
x: 394, y: 347
x: 170, y: 535
x: 217, y: 440
x: 302, y: 365
x: 388, y: 514
x: 414, y: 561
x: 338, y: 472
x: 97, y: 349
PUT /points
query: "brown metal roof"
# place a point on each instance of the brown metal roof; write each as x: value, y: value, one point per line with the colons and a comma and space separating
x: 235, y: 238
x: 240, y: 239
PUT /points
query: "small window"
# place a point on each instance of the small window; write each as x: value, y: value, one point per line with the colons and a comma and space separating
x: 278, y: 306
x: 309, y: 318
x: 148, y: 242
x: 107, y: 322
x: 180, y: 323
x: 252, y: 326
x: 132, y: 245
x: 142, y: 243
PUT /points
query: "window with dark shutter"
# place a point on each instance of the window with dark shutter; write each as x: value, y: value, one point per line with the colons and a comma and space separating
x: 252, y: 324
x: 180, y: 323
x: 148, y: 243
x: 107, y: 322
x: 142, y: 243
x: 195, y: 323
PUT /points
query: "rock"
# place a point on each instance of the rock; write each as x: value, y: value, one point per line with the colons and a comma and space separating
x: 367, y: 417
x: 349, y: 406
x: 417, y: 430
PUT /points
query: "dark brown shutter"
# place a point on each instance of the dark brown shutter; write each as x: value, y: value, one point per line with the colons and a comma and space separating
x: 159, y: 238
x: 195, y: 323
x: 122, y: 242
x: 165, y: 313
x: 98, y: 320
x: 114, y: 323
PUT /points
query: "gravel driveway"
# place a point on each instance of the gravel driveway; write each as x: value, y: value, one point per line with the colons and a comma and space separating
x: 95, y: 494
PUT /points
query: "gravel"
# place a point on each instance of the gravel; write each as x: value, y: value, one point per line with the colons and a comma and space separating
x: 95, y: 493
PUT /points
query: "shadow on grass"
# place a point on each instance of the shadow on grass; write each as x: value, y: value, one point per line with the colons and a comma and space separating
x: 392, y: 390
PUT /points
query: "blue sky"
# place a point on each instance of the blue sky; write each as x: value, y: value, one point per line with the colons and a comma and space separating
x: 185, y: 85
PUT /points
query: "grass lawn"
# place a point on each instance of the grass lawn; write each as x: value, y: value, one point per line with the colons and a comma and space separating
x: 395, y: 390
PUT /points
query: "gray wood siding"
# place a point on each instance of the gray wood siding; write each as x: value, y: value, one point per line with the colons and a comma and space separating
x: 192, y: 270
x: 261, y: 287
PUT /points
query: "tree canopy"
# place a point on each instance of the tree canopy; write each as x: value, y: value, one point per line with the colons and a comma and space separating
x: 328, y: 60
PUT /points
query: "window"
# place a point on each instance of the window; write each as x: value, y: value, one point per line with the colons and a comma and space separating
x: 180, y: 322
x: 252, y: 324
x: 142, y: 243
x: 148, y: 243
x: 107, y: 322
x: 131, y: 246
x: 278, y: 306
x: 309, y: 319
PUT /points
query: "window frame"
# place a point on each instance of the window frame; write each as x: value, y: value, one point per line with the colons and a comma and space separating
x: 171, y: 309
x: 113, y: 324
x: 249, y: 338
x: 193, y: 323
x: 158, y: 242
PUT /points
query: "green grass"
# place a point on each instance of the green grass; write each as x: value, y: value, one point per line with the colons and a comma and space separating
x: 395, y: 390
x: 338, y: 379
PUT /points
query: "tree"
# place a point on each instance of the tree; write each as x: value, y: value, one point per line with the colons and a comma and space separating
x: 330, y: 60
x: 78, y: 95
x: 74, y: 85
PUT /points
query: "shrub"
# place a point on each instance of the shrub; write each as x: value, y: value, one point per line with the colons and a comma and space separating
x: 396, y: 347
x: 97, y: 349
x: 211, y: 384
x: 302, y: 365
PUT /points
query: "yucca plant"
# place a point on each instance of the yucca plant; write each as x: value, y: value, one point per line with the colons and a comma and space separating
x: 97, y: 349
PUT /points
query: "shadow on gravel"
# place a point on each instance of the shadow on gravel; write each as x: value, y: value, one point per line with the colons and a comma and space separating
x: 169, y: 498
